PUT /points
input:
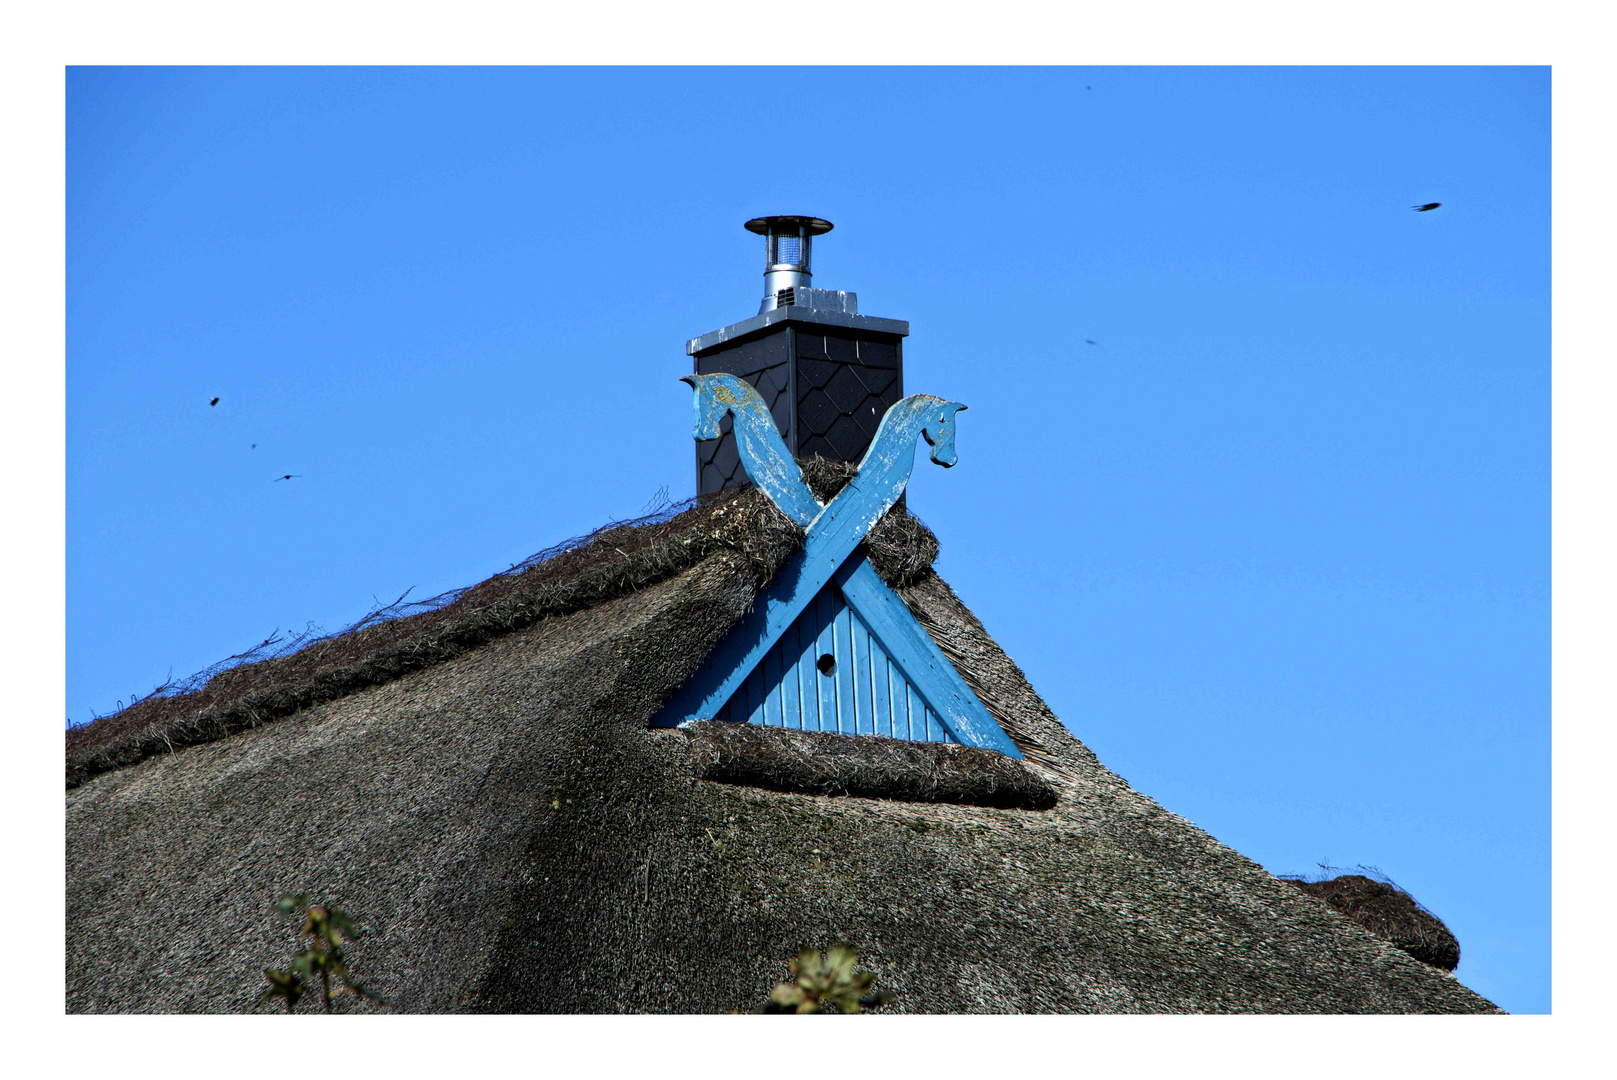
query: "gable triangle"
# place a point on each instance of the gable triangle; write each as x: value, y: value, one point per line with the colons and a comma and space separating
x: 829, y: 672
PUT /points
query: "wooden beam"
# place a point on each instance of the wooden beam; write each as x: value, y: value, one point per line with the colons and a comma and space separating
x: 919, y: 658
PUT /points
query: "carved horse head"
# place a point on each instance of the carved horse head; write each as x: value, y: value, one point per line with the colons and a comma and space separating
x: 719, y: 394
x: 763, y: 452
x: 885, y: 466
x: 919, y: 414
x: 938, y: 430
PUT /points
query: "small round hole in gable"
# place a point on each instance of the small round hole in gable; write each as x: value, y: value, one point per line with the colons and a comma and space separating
x: 827, y: 664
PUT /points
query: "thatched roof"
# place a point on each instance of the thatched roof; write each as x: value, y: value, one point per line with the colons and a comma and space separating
x: 481, y: 791
x: 1389, y: 912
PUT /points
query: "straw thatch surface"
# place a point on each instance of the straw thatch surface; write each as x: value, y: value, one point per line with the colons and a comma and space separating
x: 870, y: 766
x: 387, y: 644
x: 1389, y: 912
x: 514, y: 839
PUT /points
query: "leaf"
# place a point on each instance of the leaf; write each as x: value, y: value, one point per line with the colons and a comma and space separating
x: 806, y: 960
x: 343, y: 924
x: 283, y: 984
x: 786, y: 994
x: 840, y: 960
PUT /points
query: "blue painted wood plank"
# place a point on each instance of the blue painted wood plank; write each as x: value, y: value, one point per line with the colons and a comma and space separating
x: 825, y: 644
x: 919, y: 658
x: 808, y: 680
x: 900, y: 696
x: 831, y: 683
x: 791, y: 694
x: 848, y: 673
x: 754, y: 688
x: 808, y: 632
x: 881, y: 691
x: 863, y: 693
x: 771, y: 670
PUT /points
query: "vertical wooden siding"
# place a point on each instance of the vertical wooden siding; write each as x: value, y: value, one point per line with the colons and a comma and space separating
x: 865, y: 694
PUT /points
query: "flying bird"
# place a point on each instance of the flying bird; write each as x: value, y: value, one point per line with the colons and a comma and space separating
x: 1090, y: 341
x: 288, y: 476
x: 1426, y: 207
x: 255, y: 446
x: 215, y: 401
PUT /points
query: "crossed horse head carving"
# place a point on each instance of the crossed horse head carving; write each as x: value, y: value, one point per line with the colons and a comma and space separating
x: 771, y: 467
x: 832, y: 534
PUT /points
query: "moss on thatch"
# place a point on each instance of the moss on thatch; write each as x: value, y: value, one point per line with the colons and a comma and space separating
x: 577, y: 574
x: 1390, y: 913
x: 868, y: 766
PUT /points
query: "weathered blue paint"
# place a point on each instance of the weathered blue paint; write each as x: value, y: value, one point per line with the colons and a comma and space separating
x: 883, y: 471
x: 919, y: 659
x: 763, y: 452
x: 866, y: 692
x: 884, y: 675
x: 831, y: 537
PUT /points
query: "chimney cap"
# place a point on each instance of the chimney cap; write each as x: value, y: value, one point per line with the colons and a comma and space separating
x: 814, y: 226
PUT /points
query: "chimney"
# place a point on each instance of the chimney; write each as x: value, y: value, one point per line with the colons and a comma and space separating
x: 827, y: 373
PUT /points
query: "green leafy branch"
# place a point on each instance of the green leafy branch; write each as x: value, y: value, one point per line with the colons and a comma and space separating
x: 326, y: 929
x: 828, y: 983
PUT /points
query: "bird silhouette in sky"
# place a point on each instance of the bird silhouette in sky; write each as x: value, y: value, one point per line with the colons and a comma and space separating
x: 1426, y: 207
x: 288, y: 476
x: 255, y: 446
x: 215, y: 401
x: 1090, y: 341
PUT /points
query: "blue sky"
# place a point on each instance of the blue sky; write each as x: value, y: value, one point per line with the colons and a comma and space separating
x: 1276, y: 546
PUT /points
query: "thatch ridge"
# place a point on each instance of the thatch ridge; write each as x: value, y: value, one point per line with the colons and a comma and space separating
x: 866, y: 766
x: 253, y: 688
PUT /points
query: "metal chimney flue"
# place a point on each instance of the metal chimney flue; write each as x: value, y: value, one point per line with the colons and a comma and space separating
x: 788, y: 254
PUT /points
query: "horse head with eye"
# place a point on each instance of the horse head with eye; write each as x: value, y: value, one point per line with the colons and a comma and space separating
x: 938, y: 430
x: 770, y: 466
x: 886, y: 463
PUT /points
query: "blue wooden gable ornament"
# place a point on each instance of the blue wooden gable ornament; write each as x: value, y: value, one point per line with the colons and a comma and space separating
x: 828, y: 646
